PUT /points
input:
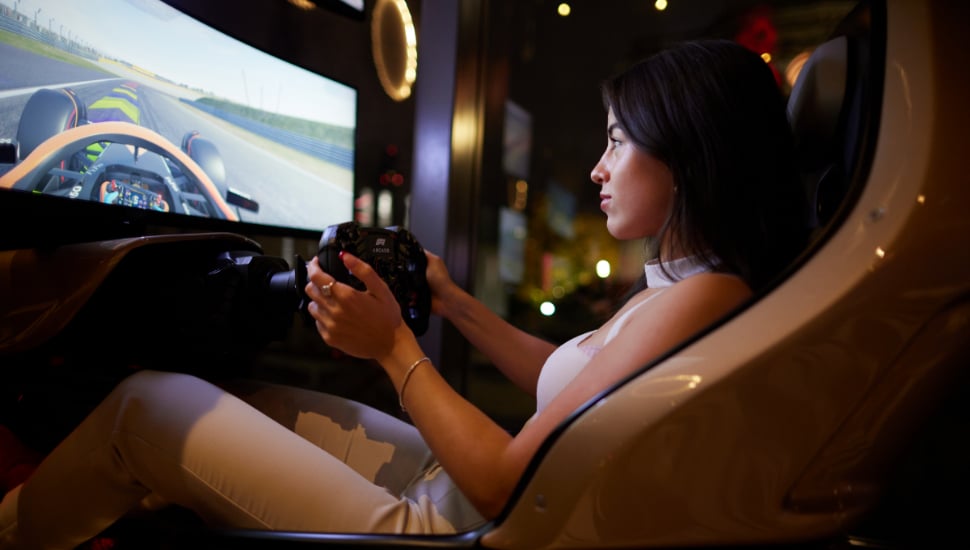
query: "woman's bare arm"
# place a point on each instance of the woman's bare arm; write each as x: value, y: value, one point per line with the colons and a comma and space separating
x: 516, y: 353
x: 482, y: 458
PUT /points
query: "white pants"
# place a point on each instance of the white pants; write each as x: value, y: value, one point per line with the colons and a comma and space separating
x: 274, y: 457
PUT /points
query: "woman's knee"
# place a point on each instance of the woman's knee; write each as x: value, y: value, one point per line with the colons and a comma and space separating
x: 151, y: 385
x: 164, y: 396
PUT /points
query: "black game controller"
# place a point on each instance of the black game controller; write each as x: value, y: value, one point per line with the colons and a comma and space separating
x: 394, y: 254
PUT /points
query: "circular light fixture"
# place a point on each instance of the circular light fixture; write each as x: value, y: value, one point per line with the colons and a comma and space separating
x: 395, y: 47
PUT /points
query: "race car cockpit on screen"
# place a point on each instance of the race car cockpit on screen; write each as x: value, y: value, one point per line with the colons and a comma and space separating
x: 113, y: 160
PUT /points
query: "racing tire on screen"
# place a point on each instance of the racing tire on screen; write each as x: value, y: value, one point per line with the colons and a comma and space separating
x: 47, y: 113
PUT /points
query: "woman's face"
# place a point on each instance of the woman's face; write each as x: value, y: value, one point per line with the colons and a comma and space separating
x: 636, y: 189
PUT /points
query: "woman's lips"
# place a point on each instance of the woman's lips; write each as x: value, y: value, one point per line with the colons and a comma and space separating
x: 604, y: 201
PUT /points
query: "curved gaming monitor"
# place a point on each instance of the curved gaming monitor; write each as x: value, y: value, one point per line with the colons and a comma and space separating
x: 132, y: 111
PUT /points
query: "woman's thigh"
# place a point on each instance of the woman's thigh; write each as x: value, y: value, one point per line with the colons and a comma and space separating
x: 209, y: 450
x: 190, y: 443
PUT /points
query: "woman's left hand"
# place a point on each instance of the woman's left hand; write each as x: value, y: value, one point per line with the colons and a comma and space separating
x: 364, y: 323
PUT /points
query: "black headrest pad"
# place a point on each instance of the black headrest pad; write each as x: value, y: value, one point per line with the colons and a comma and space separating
x: 815, y: 104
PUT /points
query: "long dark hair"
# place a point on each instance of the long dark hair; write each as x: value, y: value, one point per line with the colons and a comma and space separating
x: 712, y: 111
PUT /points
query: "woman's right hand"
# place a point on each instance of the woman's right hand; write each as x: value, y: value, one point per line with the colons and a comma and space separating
x: 440, y: 282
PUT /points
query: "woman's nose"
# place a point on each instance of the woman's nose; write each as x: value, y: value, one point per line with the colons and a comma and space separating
x: 598, y: 174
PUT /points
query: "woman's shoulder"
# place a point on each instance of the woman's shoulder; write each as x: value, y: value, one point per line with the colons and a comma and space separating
x: 700, y: 285
x: 720, y: 291
x: 671, y: 315
x: 713, y: 281
x: 692, y: 302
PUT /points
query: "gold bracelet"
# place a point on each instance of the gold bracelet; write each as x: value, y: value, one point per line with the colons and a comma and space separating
x: 407, y: 376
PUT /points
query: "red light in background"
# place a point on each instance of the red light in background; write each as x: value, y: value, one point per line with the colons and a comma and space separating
x: 757, y: 32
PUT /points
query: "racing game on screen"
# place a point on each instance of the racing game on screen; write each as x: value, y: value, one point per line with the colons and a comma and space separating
x: 133, y: 103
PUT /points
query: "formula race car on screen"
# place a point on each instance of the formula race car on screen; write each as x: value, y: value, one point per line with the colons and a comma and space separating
x: 114, y: 160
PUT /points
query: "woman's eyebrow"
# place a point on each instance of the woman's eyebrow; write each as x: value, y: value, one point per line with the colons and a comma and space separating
x: 613, y: 127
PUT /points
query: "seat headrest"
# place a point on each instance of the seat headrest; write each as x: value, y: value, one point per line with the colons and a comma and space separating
x: 815, y: 112
x: 815, y: 103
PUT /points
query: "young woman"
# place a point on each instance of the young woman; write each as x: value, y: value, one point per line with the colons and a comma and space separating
x: 698, y: 157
